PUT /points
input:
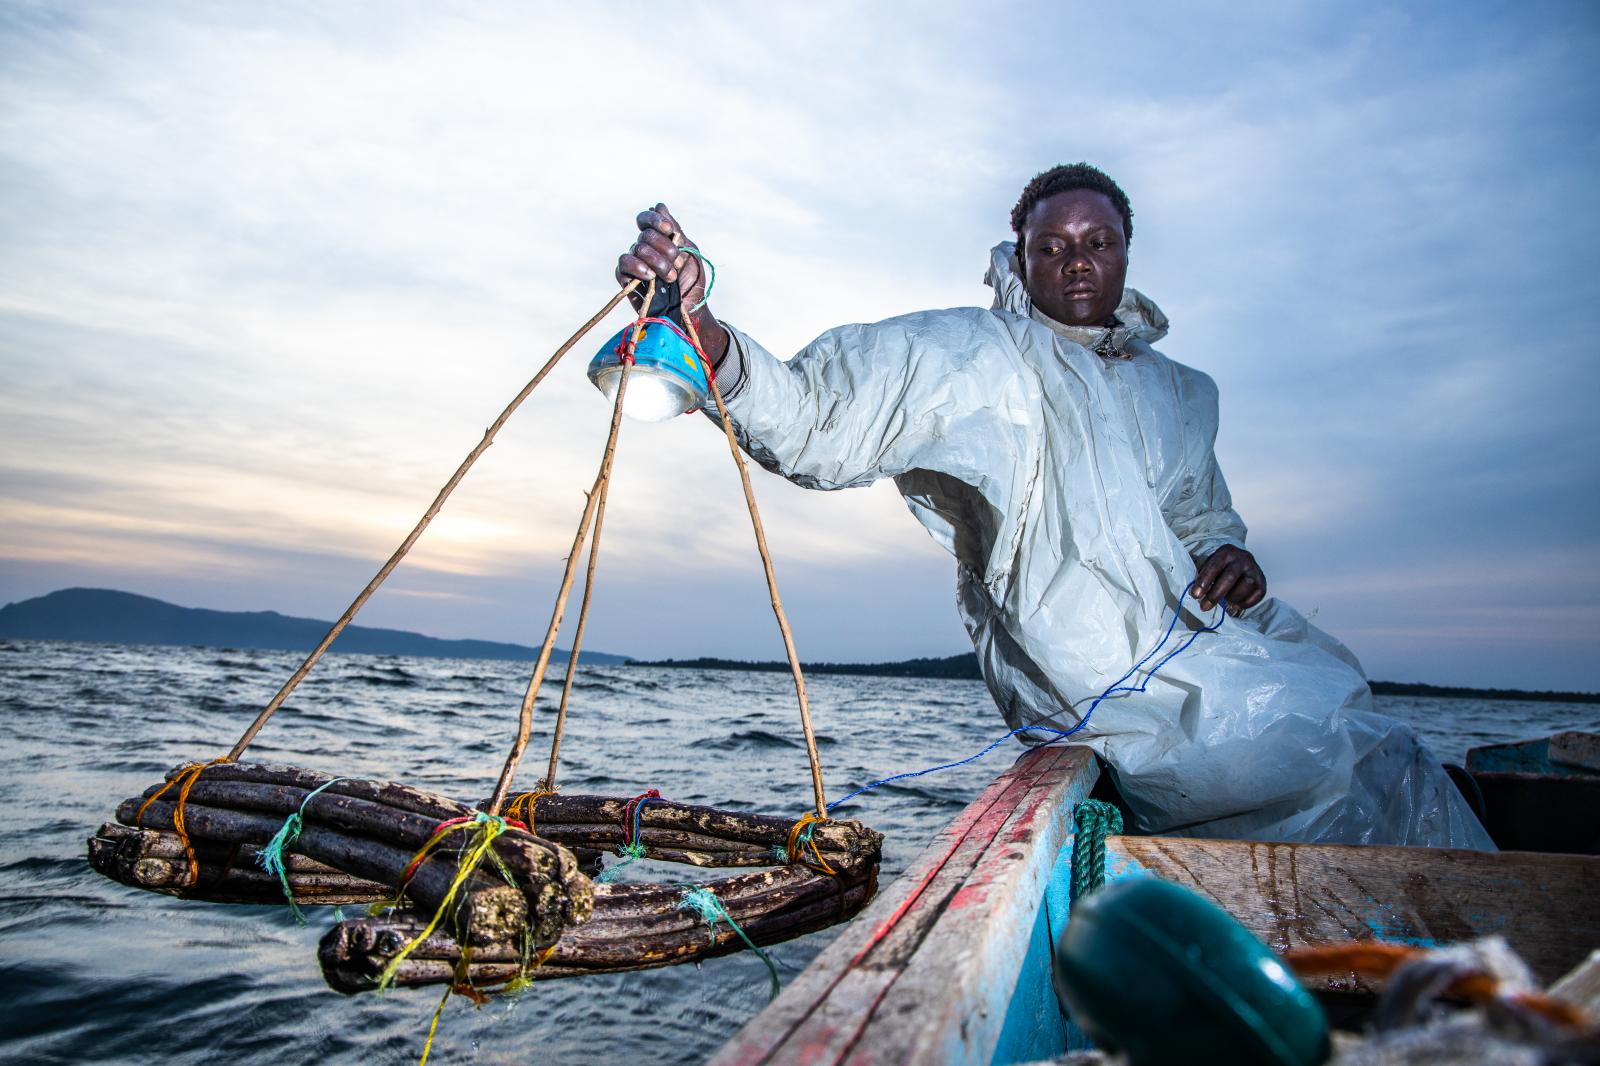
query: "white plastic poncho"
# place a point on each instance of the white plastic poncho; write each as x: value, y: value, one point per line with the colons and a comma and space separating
x: 1075, y: 490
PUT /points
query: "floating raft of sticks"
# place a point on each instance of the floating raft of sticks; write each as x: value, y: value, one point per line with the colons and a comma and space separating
x: 370, y: 831
x: 634, y: 927
x: 155, y: 860
x: 359, y: 840
x: 693, y: 835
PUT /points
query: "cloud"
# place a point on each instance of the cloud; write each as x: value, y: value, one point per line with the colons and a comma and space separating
x: 270, y: 271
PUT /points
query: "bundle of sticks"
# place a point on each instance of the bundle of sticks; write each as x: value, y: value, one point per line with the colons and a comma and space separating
x: 358, y: 841
x: 223, y: 873
x: 697, y: 836
x: 634, y: 927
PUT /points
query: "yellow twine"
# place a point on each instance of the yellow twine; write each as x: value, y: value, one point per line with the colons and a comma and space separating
x: 433, y: 1026
x: 463, y: 984
x: 486, y: 827
x: 187, y: 776
x: 792, y: 851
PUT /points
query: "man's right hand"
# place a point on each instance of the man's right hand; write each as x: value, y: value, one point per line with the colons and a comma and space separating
x: 659, y: 254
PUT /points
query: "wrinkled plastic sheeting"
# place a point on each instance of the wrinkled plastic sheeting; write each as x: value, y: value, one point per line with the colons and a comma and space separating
x: 1074, y: 491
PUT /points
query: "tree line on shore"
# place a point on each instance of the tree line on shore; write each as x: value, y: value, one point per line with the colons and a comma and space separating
x: 965, y: 668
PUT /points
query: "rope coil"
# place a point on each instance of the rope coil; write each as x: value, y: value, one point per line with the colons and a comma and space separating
x: 1092, y: 821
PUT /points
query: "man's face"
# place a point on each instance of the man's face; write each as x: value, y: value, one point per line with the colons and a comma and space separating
x: 1075, y: 257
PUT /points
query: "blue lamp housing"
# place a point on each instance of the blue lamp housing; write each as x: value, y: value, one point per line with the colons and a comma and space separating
x: 667, y: 379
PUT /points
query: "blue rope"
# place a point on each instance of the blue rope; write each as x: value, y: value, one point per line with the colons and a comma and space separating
x: 1061, y: 734
x: 271, y: 858
x: 632, y: 852
x: 638, y: 815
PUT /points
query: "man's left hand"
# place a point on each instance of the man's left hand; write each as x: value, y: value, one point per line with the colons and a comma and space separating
x: 1230, y: 574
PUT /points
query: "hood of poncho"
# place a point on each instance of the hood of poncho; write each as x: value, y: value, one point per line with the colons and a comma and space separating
x: 1138, y: 317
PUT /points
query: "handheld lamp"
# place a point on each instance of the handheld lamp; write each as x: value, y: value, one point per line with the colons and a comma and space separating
x: 667, y: 379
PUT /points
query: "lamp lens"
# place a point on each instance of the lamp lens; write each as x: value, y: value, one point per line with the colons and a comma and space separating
x: 653, y: 395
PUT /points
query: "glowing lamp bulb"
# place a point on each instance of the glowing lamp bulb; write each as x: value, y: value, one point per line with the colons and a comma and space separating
x: 667, y: 378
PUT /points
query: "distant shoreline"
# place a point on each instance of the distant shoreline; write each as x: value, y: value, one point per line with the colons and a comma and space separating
x: 109, y: 616
x: 965, y: 668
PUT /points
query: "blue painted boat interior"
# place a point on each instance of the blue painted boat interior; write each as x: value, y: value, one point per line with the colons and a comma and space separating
x: 1035, y: 1026
x: 1524, y: 757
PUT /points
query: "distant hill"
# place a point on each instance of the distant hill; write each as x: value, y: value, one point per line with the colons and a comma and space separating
x: 110, y: 617
x: 965, y: 667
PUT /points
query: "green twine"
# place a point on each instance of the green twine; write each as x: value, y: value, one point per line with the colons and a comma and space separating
x: 711, y: 278
x: 271, y: 857
x: 705, y: 903
x: 631, y: 853
x: 1093, y: 821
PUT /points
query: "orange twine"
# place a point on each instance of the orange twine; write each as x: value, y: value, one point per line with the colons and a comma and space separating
x: 526, y: 800
x: 188, y: 776
x: 1377, y: 959
x: 801, y: 837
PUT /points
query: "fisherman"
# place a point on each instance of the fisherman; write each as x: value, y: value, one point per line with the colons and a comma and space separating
x: 1069, y: 468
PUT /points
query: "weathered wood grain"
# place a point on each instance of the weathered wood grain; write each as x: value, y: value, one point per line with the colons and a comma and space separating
x: 596, y: 821
x: 155, y: 861
x: 1577, y: 750
x: 895, y: 986
x: 1299, y: 894
x: 950, y: 1000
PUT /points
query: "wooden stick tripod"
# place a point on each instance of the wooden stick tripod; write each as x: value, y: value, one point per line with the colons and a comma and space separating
x: 589, y: 524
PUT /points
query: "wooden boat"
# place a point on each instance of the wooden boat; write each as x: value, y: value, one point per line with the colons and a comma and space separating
x: 951, y: 963
x: 1540, y: 795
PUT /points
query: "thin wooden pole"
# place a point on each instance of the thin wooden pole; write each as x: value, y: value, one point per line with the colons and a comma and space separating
x: 772, y: 577
x: 577, y: 641
x: 427, y: 517
x: 525, y: 716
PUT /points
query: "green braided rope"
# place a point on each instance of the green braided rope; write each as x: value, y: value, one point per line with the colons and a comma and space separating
x: 711, y: 278
x: 272, y: 858
x: 631, y: 853
x: 705, y: 903
x: 1093, y: 821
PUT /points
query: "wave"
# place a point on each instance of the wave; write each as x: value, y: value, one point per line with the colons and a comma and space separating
x: 384, y: 680
x: 751, y: 738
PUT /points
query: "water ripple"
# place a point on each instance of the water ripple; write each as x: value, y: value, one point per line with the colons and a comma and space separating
x: 94, y: 971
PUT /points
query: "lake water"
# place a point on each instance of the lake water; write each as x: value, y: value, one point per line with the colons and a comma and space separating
x: 94, y: 971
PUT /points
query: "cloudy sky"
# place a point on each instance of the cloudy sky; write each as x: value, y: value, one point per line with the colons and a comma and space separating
x: 267, y: 271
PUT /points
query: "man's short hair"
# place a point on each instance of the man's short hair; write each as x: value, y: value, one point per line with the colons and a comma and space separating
x: 1065, y: 178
